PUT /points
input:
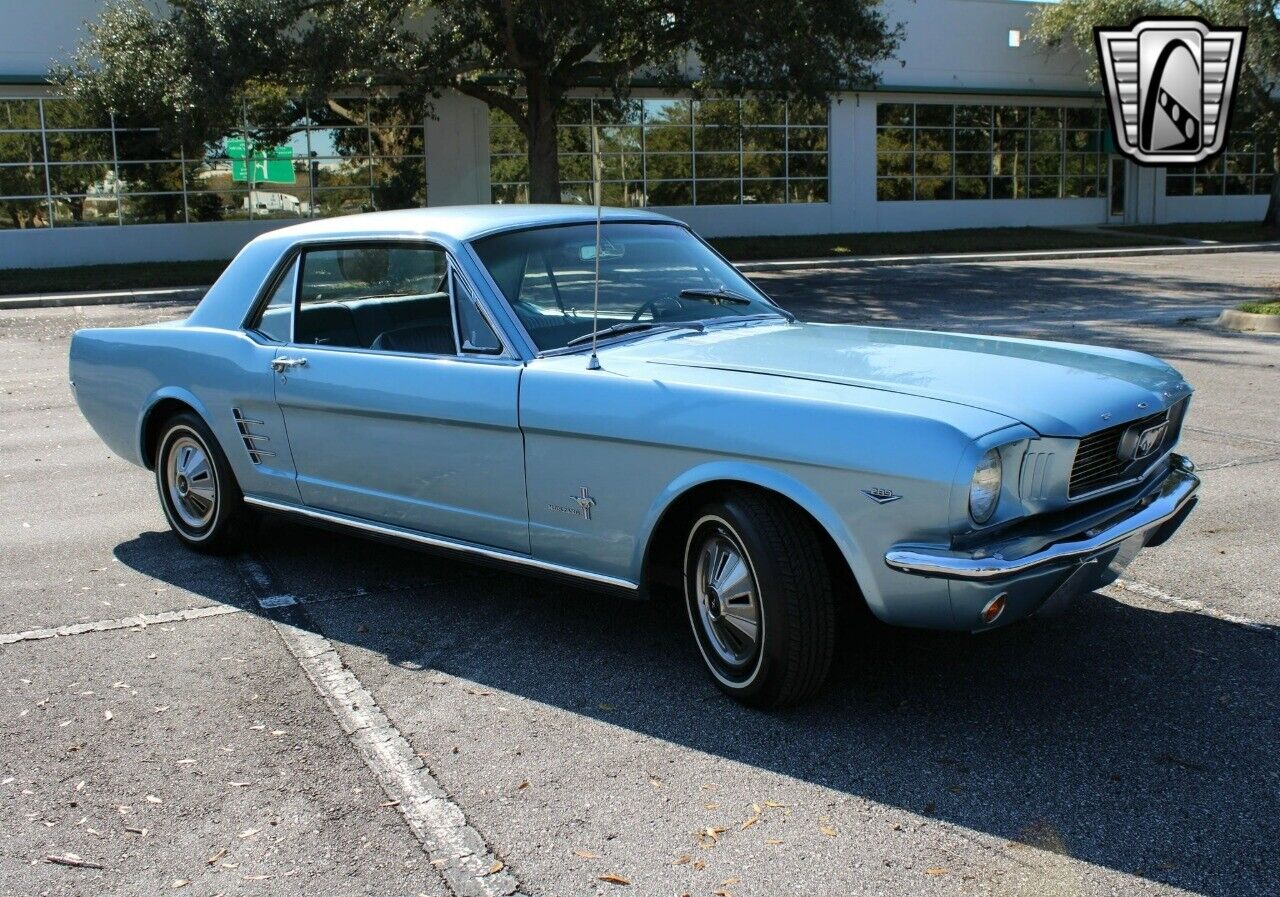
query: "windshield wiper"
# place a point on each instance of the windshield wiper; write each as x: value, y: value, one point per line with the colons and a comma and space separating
x: 634, y: 327
x: 720, y: 294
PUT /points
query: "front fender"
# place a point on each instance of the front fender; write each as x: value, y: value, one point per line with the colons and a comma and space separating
x: 754, y: 474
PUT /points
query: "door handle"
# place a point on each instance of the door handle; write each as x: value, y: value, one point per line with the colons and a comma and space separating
x: 280, y: 365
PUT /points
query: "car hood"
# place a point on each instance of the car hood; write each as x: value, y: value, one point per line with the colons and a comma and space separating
x: 1057, y: 389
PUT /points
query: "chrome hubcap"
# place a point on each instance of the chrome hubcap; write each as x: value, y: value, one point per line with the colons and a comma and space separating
x: 192, y: 483
x: 727, y: 598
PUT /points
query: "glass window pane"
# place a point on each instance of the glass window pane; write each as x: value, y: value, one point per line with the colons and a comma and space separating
x: 398, y: 141
x: 973, y: 117
x: 387, y: 298
x: 1046, y: 165
x: 85, y: 211
x: 68, y: 113
x: 1045, y: 188
x: 933, y: 164
x: 763, y: 192
x: 1082, y: 118
x: 275, y: 321
x: 671, y: 111
x: 341, y: 172
x: 621, y: 167
x: 893, y: 189
x: 764, y: 139
x: 20, y: 214
x: 399, y: 183
x: 933, y: 188
x: 19, y: 114
x: 22, y: 180
x: 807, y: 139
x: 716, y: 112
x: 342, y: 201
x: 763, y: 165
x: 660, y: 166
x: 339, y: 141
x: 618, y: 139
x: 934, y: 115
x: 1046, y: 141
x: 21, y: 147
x: 809, y: 190
x: 670, y: 193
x: 717, y: 165
x: 81, y: 179
x: 973, y: 140
x: 934, y: 139
x: 895, y: 139
x: 662, y: 139
x: 972, y: 188
x: 509, y: 193
x: 763, y: 112
x: 973, y: 163
x: 807, y: 112
x: 1011, y: 116
x: 507, y: 140
x: 576, y: 168
x: 807, y: 165
x: 575, y: 112
x: 1046, y: 117
x: 220, y: 205
x: 507, y: 169
x: 894, y: 114
x: 893, y: 163
x: 574, y: 139
x: 79, y: 146
x: 618, y: 112
x: 716, y: 139
x: 474, y: 332
x: 717, y: 193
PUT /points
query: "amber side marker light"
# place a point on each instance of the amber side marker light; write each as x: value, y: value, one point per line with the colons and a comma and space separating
x: 994, y: 608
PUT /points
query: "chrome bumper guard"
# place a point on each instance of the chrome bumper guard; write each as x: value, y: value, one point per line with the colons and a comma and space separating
x: 1167, y: 504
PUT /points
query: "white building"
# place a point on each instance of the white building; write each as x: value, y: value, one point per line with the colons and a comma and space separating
x: 973, y: 126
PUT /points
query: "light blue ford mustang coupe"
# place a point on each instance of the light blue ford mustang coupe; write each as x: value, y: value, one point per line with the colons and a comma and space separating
x: 428, y: 376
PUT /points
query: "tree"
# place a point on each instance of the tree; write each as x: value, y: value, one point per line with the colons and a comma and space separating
x: 1257, y: 105
x: 191, y: 68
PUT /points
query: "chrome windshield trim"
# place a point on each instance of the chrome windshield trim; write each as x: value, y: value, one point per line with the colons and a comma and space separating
x: 1178, y: 488
x: 463, y: 548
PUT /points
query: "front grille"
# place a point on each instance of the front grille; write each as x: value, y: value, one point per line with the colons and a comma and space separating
x: 1098, y: 465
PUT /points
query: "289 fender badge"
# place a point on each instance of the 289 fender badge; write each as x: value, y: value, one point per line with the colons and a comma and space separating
x: 881, y: 496
x: 1169, y: 82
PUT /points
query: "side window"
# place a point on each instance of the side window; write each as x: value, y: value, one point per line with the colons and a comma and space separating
x: 275, y: 321
x: 392, y: 298
x: 474, y: 331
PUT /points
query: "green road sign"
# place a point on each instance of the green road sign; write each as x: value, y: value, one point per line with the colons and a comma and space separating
x: 271, y: 165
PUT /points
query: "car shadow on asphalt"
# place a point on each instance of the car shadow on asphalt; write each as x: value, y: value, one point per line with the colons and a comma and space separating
x: 1141, y: 739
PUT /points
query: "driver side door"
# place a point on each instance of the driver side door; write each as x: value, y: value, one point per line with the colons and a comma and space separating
x: 392, y: 415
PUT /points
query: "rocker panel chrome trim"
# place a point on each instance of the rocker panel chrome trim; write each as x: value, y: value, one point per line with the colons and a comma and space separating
x: 464, y: 548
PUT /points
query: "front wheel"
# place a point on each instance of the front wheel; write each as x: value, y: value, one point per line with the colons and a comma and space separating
x: 198, y: 491
x: 759, y: 597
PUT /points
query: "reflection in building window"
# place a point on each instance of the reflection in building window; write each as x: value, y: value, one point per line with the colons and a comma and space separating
x: 940, y: 151
x: 1243, y: 170
x: 61, y: 167
x: 674, y: 152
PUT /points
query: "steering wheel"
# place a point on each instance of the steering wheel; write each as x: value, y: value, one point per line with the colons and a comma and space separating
x: 652, y: 305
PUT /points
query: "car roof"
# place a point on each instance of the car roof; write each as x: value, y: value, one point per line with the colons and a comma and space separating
x: 459, y: 223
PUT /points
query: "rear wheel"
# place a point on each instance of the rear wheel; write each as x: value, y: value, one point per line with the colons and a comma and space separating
x: 759, y: 598
x: 198, y: 491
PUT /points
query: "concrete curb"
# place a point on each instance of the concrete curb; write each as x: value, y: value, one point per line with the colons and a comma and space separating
x: 182, y: 294
x: 875, y: 261
x: 1248, y: 322
x: 113, y: 297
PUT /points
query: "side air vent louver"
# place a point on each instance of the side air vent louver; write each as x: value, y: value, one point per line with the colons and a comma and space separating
x: 1035, y: 482
x: 251, y: 439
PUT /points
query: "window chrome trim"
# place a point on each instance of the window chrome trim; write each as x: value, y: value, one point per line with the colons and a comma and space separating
x: 295, y: 255
x: 465, y: 548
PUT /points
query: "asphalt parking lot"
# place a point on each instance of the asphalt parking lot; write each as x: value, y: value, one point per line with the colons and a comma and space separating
x: 1128, y: 748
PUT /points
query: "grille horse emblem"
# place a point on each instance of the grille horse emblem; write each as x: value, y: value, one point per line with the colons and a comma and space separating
x: 1169, y: 83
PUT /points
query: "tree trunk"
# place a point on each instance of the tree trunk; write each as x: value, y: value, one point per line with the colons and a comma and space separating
x: 1273, y: 207
x: 544, y: 150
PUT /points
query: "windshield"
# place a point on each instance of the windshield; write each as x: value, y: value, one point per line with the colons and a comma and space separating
x: 650, y: 274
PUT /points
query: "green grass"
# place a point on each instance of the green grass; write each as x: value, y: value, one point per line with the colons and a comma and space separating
x: 989, y: 239
x: 149, y: 275
x: 1261, y: 308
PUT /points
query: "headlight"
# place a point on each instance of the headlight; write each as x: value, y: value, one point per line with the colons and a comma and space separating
x: 984, y: 490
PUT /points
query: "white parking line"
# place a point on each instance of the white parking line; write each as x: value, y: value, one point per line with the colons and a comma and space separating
x: 143, y: 620
x: 455, y: 848
x: 1191, y: 605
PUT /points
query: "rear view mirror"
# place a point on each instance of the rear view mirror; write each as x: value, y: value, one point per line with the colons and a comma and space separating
x: 608, y: 250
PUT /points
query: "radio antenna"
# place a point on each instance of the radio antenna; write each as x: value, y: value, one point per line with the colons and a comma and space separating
x: 594, y: 363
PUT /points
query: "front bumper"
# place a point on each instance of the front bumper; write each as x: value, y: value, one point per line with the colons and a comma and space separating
x: 1156, y: 516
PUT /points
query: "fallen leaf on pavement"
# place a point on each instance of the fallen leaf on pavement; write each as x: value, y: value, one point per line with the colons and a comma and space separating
x: 587, y: 854
x: 180, y: 883
x: 682, y: 859
x: 107, y: 715
x: 249, y: 832
x: 614, y: 879
x: 152, y: 799
x: 748, y: 823
x: 827, y: 830
x: 773, y: 841
x: 222, y: 851
x: 936, y: 870
x: 496, y: 867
